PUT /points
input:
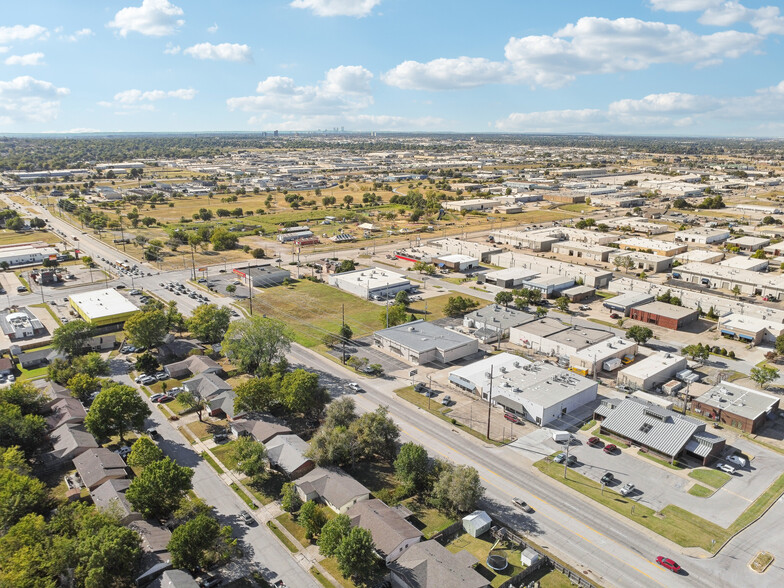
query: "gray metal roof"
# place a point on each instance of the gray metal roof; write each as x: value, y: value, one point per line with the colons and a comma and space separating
x: 422, y: 336
x: 498, y: 317
x: 662, y: 430
x: 628, y: 300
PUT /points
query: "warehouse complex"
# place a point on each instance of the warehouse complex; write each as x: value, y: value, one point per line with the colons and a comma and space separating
x: 372, y: 283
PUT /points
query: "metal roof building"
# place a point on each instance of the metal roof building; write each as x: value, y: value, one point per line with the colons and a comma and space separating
x: 420, y: 342
x: 103, y: 307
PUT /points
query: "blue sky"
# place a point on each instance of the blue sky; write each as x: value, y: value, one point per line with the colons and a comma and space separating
x: 674, y: 67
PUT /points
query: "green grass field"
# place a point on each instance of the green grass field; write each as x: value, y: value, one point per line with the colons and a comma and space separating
x: 313, y: 309
x: 13, y: 237
x: 701, y: 491
x: 715, y: 478
x: 436, y: 305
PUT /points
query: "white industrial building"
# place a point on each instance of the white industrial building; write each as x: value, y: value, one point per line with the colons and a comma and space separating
x: 550, y: 285
x: 591, y: 276
x: 702, y: 255
x: 652, y: 246
x: 726, y: 278
x: 538, y: 392
x: 371, y: 283
x: 749, y: 329
x: 492, y: 323
x: 748, y: 243
x: 745, y: 263
x: 420, y: 342
x: 469, y: 205
x: 512, y: 277
x: 544, y: 239
x: 638, y: 225
x: 648, y: 262
x: 457, y: 262
x: 582, y: 250
x: 481, y: 251
x: 652, y: 372
x: 26, y: 253
x: 702, y: 235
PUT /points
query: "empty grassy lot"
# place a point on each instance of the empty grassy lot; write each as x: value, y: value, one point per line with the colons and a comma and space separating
x: 13, y: 237
x: 313, y: 309
x: 436, y: 305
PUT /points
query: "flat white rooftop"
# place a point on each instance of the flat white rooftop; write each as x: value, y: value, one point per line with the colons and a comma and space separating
x: 652, y: 365
x: 102, y: 303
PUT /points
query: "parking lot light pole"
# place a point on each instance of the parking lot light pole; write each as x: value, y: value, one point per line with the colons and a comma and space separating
x: 566, y: 461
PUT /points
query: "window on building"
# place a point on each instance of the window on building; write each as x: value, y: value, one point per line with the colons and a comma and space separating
x: 646, y: 427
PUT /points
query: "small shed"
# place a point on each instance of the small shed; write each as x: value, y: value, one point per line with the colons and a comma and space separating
x: 477, y: 523
x: 529, y: 557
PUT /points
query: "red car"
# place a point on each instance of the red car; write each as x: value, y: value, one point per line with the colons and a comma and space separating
x: 666, y: 562
x: 514, y: 418
x: 610, y: 448
x: 595, y: 442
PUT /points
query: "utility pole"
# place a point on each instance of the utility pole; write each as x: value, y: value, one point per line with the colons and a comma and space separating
x: 566, y: 461
x: 489, y: 402
x: 343, y: 324
x: 250, y: 290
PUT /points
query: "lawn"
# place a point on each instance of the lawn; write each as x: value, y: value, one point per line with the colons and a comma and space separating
x: 480, y: 548
x: 701, y: 491
x: 210, y: 460
x: 580, y: 207
x: 14, y: 237
x: 331, y: 565
x: 244, y: 496
x: 587, y: 426
x: 279, y: 534
x: 436, y: 305
x: 225, y: 454
x: 267, y: 489
x: 426, y: 518
x: 313, y: 309
x: 378, y: 477
x: 320, y: 577
x: 297, y: 530
x: 205, y: 430
x: 615, y: 442
x: 715, y: 478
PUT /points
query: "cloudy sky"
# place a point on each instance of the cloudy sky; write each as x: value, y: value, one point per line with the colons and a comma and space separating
x: 683, y: 67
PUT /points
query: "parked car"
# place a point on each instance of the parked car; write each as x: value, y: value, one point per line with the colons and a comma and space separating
x: 571, y: 460
x: 615, y: 315
x: 146, y: 380
x: 666, y: 562
x: 11, y: 378
x: 156, y: 397
x: 247, y: 518
x: 209, y: 581
x: 585, y: 307
x: 560, y: 458
x: 595, y: 442
x: 610, y: 448
x: 627, y: 489
x: 522, y: 504
x: 161, y: 376
x: 608, y: 478
x: 513, y: 417
x: 21, y: 289
x: 135, y: 292
x: 726, y: 468
x: 446, y: 400
x: 220, y: 437
x: 123, y: 452
x: 737, y: 460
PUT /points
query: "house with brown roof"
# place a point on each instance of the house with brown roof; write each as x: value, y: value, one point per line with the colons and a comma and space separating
x: 6, y: 366
x: 428, y: 564
x: 96, y: 466
x: 391, y: 533
x: 110, y: 496
x: 65, y: 411
x: 70, y: 441
x: 287, y: 453
x: 333, y: 487
x: 192, y: 366
x: 261, y: 428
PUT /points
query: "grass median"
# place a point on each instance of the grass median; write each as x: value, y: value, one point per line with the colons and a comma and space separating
x: 283, y: 539
x: 714, y: 478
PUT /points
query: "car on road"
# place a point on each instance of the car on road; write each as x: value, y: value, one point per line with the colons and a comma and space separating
x: 353, y: 385
x: 247, y: 518
x: 595, y: 442
x: 608, y: 478
x: 156, y: 397
x: 522, y: 504
x: 560, y: 458
x: 280, y: 584
x: 120, y: 286
x: 610, y: 448
x: 615, y: 315
x: 585, y: 307
x: 513, y: 417
x: 446, y: 400
x: 726, y: 468
x: 21, y: 289
x: 666, y: 562
x: 737, y: 460
x: 627, y: 489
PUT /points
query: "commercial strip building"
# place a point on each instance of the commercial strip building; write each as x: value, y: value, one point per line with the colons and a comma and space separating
x: 539, y: 392
x: 420, y: 343
x: 702, y: 255
x: 594, y: 277
x: 492, y: 323
x: 648, y: 262
x: 550, y: 285
x: 702, y: 235
x: 652, y: 246
x: 749, y: 329
x: 658, y: 430
x: 748, y: 244
x: 736, y: 406
x: 638, y: 225
x: 27, y: 253
x: 371, y: 283
x: 664, y: 315
x: 544, y: 239
x: 745, y: 263
x: 726, y: 278
x: 651, y: 372
x: 481, y: 251
x: 623, y: 303
x: 456, y: 262
x: 102, y: 308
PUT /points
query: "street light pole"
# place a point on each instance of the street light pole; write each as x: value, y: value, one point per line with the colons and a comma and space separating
x: 489, y: 402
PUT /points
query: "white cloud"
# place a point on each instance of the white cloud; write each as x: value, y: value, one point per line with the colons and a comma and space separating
x: 25, y: 60
x: 213, y: 28
x: 134, y: 100
x: 766, y: 20
x: 155, y: 18
x: 358, y: 122
x: 220, y: 52
x: 4, y: 49
x: 344, y: 88
x: 588, y: 47
x: 80, y: 34
x: 26, y: 99
x: 22, y: 33
x: 358, y: 8
x: 172, y: 49
x: 659, y: 113
x: 447, y: 74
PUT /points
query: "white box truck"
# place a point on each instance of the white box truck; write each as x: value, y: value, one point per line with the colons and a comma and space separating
x: 561, y: 436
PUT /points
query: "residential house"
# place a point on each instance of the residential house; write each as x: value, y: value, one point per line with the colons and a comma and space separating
x: 333, y: 487
x: 261, y: 428
x: 428, y: 564
x: 6, y: 366
x: 70, y: 441
x: 392, y: 533
x: 101, y: 343
x: 65, y: 411
x: 217, y: 392
x: 192, y: 366
x: 110, y: 496
x: 173, y: 347
x: 96, y: 466
x: 155, y: 556
x: 287, y: 453
x: 33, y: 359
x: 178, y: 579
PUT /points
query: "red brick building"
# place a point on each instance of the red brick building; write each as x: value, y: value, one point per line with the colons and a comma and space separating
x: 736, y: 406
x: 664, y: 315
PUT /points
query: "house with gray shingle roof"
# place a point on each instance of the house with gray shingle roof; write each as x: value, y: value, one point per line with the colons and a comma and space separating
x: 287, y: 453
x: 333, y: 487
x: 392, y: 534
x: 70, y: 441
x: 96, y: 466
x: 110, y: 496
x: 428, y: 564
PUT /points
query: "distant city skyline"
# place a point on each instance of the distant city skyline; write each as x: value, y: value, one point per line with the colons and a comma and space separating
x: 653, y: 67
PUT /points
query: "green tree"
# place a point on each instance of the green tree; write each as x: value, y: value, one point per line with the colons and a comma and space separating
x: 412, y: 467
x: 780, y: 344
x: 231, y: 288
x: 346, y: 265
x: 697, y: 352
x: 160, y: 488
x: 12, y: 458
x: 562, y: 302
x: 458, y: 489
x: 26, y: 555
x: 312, y: 518
x: 209, y: 322
x: 639, y: 334
x: 20, y: 495
x: 26, y: 431
x: 337, y: 445
x: 504, y: 297
x: 116, y: 410
x: 356, y: 555
x: 257, y: 394
x: 332, y: 535
x: 257, y: 253
x: 71, y: 338
x: 459, y: 305
x: 403, y: 298
x: 340, y: 413
x: 144, y: 451
x: 540, y: 311
x: 191, y: 543
x: 764, y: 375
x: 223, y: 239
x: 250, y: 456
x: 300, y: 392
x: 24, y: 395
x: 82, y: 385
x: 256, y: 343
x: 345, y: 332
x: 377, y: 434
x: 146, y: 363
x: 289, y: 498
x: 105, y: 552
x: 193, y: 402
x: 146, y: 329
x: 736, y: 290
x: 394, y: 315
